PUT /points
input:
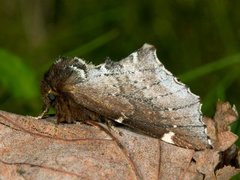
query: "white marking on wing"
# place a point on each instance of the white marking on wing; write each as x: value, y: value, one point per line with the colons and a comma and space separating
x: 135, y: 57
x: 119, y: 120
x: 167, y: 137
x: 80, y: 72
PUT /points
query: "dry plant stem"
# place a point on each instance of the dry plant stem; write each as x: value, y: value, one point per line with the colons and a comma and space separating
x: 126, y: 154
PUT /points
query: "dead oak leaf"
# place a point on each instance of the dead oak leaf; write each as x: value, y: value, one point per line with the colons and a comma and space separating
x: 33, y: 149
x: 226, y: 172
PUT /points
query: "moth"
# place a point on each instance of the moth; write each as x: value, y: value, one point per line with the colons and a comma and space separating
x: 137, y: 92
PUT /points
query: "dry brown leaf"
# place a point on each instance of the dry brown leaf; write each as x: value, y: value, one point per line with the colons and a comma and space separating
x: 40, y: 149
x: 226, y: 172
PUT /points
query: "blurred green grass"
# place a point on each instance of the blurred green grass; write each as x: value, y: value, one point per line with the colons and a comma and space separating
x: 196, y: 40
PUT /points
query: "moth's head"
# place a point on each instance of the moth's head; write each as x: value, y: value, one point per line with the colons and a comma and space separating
x: 49, y: 93
x: 63, y: 73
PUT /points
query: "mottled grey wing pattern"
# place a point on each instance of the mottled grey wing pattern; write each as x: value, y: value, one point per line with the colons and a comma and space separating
x: 139, y: 92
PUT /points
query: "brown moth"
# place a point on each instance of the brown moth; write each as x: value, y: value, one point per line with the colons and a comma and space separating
x: 137, y: 92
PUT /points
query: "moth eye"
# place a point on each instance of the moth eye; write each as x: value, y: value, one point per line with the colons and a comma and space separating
x: 51, y: 96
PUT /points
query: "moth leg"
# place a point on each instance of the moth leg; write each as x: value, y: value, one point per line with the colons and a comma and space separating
x: 45, y: 111
x: 112, y: 127
x: 65, y: 119
x: 71, y: 121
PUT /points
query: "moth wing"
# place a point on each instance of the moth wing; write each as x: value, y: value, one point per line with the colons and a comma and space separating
x: 141, y: 93
x: 97, y: 101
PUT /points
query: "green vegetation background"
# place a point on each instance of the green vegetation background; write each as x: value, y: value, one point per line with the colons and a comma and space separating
x: 197, y: 40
